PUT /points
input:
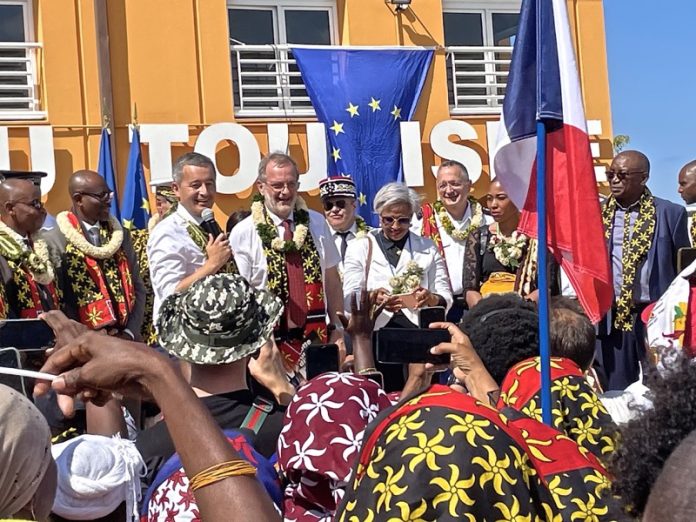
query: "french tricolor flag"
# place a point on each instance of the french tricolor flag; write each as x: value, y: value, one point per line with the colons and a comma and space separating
x: 543, y: 85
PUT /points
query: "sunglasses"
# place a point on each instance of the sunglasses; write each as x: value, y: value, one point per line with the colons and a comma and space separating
x: 621, y: 174
x: 402, y: 221
x: 339, y: 203
x: 104, y: 197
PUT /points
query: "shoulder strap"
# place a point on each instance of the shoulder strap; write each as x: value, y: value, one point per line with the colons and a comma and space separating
x: 257, y: 414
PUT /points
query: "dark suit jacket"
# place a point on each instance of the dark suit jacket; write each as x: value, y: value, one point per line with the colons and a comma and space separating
x: 56, y: 245
x: 671, y: 234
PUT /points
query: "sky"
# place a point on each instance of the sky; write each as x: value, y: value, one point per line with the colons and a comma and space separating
x: 651, y: 48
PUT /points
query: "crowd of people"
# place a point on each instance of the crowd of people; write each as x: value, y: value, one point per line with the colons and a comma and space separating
x: 183, y: 352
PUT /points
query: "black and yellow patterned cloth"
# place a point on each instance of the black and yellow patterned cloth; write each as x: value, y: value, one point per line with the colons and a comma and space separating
x: 139, y: 239
x: 200, y: 238
x: 634, y: 250
x: 444, y: 456
x: 576, y: 409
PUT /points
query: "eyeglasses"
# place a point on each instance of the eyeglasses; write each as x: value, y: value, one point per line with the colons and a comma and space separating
x: 278, y: 187
x: 104, y: 197
x: 339, y: 203
x: 37, y: 203
x: 621, y: 174
x: 389, y: 221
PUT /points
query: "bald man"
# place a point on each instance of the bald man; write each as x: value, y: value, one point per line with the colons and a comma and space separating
x: 643, y: 235
x: 97, y: 266
x: 687, y: 190
x: 27, y: 287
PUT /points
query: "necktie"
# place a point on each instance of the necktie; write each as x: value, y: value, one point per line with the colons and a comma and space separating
x: 297, y: 305
x: 94, y: 236
x: 344, y: 243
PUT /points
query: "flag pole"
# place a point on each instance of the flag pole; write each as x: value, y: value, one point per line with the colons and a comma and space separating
x: 542, y: 275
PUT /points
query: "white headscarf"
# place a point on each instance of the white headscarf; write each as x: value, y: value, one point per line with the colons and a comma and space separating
x: 25, y: 450
x: 95, y: 475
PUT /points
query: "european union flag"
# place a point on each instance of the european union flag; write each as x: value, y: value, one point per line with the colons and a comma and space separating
x: 362, y: 95
x: 106, y: 169
x: 136, y: 206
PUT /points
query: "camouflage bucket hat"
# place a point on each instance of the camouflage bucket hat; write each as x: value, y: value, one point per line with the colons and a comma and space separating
x: 218, y: 320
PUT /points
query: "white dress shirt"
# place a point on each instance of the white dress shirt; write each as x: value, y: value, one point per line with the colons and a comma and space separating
x: 248, y: 249
x: 173, y: 255
x: 419, y: 249
x: 352, y: 231
x: 92, y: 232
x: 454, y: 249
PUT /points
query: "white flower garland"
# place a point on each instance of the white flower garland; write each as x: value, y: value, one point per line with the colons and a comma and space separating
x: 37, y: 261
x: 407, y: 281
x: 278, y: 244
x: 75, y: 238
x: 475, y: 222
x: 361, y: 226
x: 508, y: 249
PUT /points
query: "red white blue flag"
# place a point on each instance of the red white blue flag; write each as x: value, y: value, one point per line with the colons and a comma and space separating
x: 543, y: 84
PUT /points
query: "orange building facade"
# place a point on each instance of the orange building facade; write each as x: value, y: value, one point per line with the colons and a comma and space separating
x: 217, y: 76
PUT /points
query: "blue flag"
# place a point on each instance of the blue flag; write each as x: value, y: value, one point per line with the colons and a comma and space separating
x: 136, y: 206
x: 362, y: 96
x: 106, y: 169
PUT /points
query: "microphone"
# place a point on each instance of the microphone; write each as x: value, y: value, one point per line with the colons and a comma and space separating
x: 209, y: 224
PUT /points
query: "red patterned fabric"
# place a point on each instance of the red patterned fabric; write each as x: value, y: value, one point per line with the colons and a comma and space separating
x: 321, y: 440
x: 297, y: 302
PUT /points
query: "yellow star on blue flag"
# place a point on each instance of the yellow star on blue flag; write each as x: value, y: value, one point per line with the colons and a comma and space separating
x: 135, y: 207
x: 353, y: 110
x: 337, y: 127
x: 374, y: 104
x: 336, y: 153
x: 396, y: 112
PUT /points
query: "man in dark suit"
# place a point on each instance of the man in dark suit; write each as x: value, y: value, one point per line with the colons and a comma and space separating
x: 643, y: 236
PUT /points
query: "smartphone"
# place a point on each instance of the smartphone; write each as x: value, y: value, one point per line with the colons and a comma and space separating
x: 410, y: 345
x: 685, y: 256
x: 321, y: 358
x: 25, y: 334
x: 431, y: 314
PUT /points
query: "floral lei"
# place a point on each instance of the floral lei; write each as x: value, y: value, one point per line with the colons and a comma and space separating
x: 269, y: 233
x: 77, y: 239
x: 407, y: 281
x: 37, y: 261
x: 508, y: 249
x: 362, y: 227
x: 460, y: 235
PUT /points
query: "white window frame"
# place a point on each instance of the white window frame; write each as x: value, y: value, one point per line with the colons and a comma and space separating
x: 284, y: 108
x: 29, y: 41
x: 486, y: 10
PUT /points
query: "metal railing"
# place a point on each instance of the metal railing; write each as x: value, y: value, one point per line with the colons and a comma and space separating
x: 476, y: 78
x: 19, y: 82
x: 267, y: 82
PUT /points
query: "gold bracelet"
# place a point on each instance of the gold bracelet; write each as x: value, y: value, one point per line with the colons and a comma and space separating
x: 218, y: 472
x: 367, y: 370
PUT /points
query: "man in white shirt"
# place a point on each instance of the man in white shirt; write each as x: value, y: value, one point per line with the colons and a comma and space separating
x: 449, y: 222
x: 290, y: 250
x: 179, y: 250
x: 338, y: 197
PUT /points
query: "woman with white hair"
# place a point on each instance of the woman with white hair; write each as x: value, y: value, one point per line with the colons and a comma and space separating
x: 401, y: 270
